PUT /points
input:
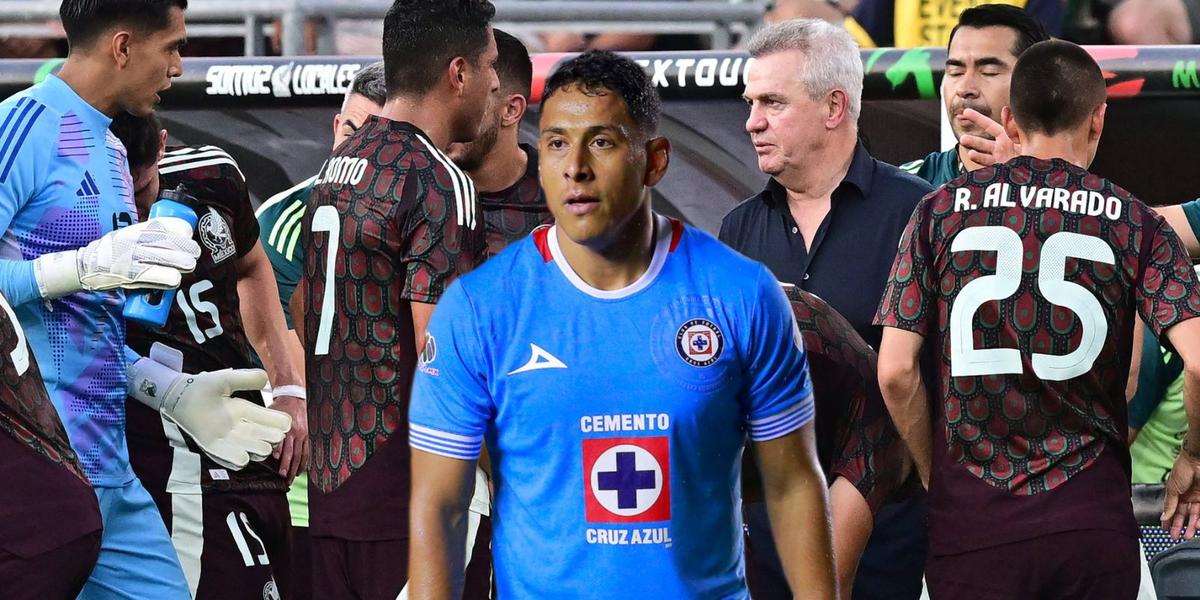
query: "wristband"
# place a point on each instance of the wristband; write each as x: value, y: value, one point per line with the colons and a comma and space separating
x: 296, y: 391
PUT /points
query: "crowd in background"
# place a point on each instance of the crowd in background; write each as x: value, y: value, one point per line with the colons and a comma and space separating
x: 873, y: 23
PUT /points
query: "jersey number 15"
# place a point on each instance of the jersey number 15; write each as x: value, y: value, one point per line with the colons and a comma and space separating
x: 966, y: 360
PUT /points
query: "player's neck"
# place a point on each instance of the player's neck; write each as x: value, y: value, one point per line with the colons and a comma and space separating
x: 431, y: 117
x: 968, y: 164
x: 503, y: 167
x: 91, y: 81
x: 1070, y: 146
x: 615, y: 262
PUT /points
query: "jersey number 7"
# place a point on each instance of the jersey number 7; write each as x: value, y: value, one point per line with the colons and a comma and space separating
x: 966, y: 360
x: 326, y: 219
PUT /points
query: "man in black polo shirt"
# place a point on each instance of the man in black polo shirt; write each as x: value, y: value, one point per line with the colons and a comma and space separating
x: 829, y: 222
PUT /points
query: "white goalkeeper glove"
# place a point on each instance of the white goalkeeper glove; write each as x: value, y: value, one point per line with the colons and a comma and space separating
x: 151, y: 255
x: 230, y: 430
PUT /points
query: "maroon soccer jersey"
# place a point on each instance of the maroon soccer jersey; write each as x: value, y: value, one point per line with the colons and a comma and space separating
x: 390, y: 221
x: 45, y: 498
x: 1026, y: 280
x: 205, y: 324
x: 514, y: 213
x: 855, y: 437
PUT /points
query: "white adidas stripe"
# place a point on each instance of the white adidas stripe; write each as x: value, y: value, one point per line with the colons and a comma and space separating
x: 175, y: 168
x: 190, y: 150
x: 464, y: 188
x: 169, y: 160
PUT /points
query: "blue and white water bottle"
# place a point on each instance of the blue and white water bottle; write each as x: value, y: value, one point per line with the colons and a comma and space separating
x: 151, y: 307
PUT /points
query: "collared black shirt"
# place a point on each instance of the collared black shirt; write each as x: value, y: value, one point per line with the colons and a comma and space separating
x: 855, y: 245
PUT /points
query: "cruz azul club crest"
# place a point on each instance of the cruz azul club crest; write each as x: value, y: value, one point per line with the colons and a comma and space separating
x: 699, y: 342
x: 627, y: 480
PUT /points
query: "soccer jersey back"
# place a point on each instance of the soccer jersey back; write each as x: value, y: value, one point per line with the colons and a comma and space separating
x: 64, y: 182
x: 390, y: 221
x: 205, y: 324
x: 1027, y: 279
x: 513, y: 213
x: 614, y: 420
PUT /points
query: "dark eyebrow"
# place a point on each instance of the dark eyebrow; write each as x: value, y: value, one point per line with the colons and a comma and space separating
x: 591, y: 129
x: 351, y: 125
x: 989, y: 61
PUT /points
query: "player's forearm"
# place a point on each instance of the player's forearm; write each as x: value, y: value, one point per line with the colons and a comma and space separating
x: 441, y: 491
x: 18, y: 282
x: 800, y: 524
x: 263, y: 319
x: 852, y: 525
x: 1191, y: 398
x: 908, y: 404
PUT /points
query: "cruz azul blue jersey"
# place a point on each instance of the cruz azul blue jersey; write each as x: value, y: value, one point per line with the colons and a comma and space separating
x: 64, y: 181
x: 615, y: 420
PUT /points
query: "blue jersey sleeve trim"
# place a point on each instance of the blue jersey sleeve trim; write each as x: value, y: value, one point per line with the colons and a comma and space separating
x: 18, y: 282
x: 442, y: 443
x: 784, y: 422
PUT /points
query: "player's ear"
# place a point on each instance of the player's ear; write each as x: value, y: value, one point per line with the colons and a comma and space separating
x: 119, y: 47
x: 1096, y: 123
x: 162, y: 144
x: 658, y: 158
x: 514, y: 109
x: 458, y: 74
x: 1010, y: 125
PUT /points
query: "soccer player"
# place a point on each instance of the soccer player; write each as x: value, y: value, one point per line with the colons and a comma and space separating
x: 504, y: 170
x: 983, y: 48
x: 391, y: 220
x: 1027, y: 279
x: 64, y: 196
x: 229, y: 527
x: 615, y: 363
x: 858, y: 449
x: 279, y: 221
x: 49, y: 518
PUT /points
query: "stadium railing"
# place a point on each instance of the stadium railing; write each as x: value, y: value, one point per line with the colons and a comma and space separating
x: 722, y: 20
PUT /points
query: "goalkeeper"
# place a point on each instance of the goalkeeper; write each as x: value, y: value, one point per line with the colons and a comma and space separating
x: 71, y: 247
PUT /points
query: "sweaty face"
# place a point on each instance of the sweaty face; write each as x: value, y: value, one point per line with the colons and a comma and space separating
x: 592, y: 164
x: 481, y: 83
x: 469, y: 156
x: 355, y: 111
x: 785, y: 123
x: 979, y: 65
x: 153, y: 62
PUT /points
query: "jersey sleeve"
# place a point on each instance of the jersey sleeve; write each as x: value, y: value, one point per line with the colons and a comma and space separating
x: 909, y: 296
x: 246, y: 232
x: 26, y: 152
x: 438, y: 232
x: 451, y: 406
x: 1169, y: 292
x: 1191, y: 210
x: 777, y: 395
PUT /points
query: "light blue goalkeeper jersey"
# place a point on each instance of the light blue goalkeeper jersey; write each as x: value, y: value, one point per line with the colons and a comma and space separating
x: 64, y: 182
x: 614, y: 420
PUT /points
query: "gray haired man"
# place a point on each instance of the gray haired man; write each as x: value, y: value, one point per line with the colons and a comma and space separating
x: 829, y: 222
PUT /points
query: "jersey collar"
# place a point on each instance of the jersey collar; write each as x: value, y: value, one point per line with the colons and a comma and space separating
x: 666, y: 236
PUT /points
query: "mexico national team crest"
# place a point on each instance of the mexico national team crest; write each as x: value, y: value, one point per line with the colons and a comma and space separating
x: 214, y: 233
x: 627, y: 480
x: 699, y: 342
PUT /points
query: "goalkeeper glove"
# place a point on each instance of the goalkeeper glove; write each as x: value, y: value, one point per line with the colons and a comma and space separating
x: 230, y: 430
x: 152, y: 255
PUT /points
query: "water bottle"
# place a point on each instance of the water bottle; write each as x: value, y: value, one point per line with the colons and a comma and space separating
x: 151, y: 307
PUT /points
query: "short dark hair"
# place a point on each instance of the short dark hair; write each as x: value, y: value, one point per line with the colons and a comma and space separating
x: 420, y: 37
x: 514, y: 66
x: 1055, y: 87
x: 84, y: 20
x: 139, y: 135
x: 596, y: 71
x: 369, y: 83
x: 1029, y: 30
